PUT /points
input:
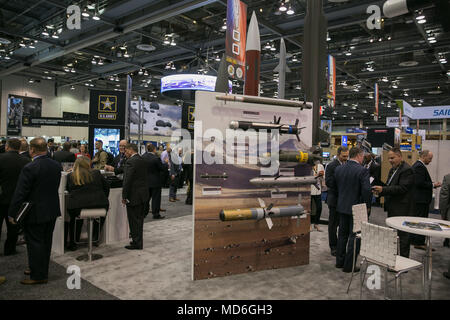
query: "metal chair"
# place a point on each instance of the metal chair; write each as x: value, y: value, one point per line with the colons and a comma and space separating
x: 379, y: 246
x: 90, y: 215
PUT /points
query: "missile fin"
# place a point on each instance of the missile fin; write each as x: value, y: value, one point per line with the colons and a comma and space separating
x: 278, y: 68
x: 269, y: 223
x: 261, y: 203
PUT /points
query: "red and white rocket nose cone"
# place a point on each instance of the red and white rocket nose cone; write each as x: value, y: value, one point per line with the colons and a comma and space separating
x: 253, y: 58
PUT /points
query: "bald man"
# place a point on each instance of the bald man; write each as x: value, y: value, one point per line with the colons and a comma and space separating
x: 119, y: 160
x: 38, y: 184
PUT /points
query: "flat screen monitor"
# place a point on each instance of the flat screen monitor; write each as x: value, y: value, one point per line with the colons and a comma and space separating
x: 325, y: 155
x: 110, y: 139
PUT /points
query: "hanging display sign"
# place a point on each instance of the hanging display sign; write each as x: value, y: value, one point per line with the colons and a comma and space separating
x: 435, y: 112
x: 393, y: 122
x: 236, y: 38
x: 377, y: 101
x: 331, y: 81
x: 107, y: 107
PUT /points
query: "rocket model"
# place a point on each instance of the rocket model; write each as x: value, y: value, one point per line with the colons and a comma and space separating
x: 283, y: 128
x: 222, y: 77
x: 282, y: 68
x: 281, y: 181
x: 252, y: 58
x: 261, y: 213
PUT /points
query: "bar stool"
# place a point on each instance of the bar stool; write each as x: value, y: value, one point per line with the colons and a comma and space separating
x: 90, y: 215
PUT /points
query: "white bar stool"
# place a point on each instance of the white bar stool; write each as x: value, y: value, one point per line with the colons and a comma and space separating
x: 90, y: 215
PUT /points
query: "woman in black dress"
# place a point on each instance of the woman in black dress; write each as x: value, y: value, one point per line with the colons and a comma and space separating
x: 88, y: 189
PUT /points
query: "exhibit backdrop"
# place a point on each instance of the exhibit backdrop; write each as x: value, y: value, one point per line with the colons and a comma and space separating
x: 21, y: 111
x: 159, y: 119
x: 224, y: 248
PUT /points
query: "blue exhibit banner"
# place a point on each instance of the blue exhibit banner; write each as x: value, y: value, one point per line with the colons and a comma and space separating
x: 344, y: 141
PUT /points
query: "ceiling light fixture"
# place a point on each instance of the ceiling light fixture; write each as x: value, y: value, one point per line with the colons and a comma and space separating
x: 85, y: 13
x: 421, y: 21
x: 290, y: 11
x: 282, y: 7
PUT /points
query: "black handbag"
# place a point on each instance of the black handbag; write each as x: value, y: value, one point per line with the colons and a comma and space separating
x: 24, y: 210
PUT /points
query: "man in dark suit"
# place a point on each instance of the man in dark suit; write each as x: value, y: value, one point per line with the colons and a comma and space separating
x: 38, y: 183
x: 51, y: 148
x: 444, y: 203
x: 398, y: 193
x: 64, y: 155
x: 424, y: 192
x: 175, y: 166
x: 23, y: 151
x: 353, y: 187
x: 155, y: 171
x: 135, y: 194
x: 119, y: 160
x: 11, y: 164
x: 330, y: 181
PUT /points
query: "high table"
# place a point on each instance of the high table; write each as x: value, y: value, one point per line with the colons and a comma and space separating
x: 397, y: 223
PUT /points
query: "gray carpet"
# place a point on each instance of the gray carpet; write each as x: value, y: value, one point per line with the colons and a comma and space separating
x: 56, y: 289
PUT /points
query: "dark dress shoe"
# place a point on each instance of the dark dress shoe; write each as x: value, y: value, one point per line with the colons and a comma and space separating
x: 447, y: 243
x: 339, y: 267
x: 333, y: 253
x: 176, y: 199
x: 27, y: 272
x: 159, y: 217
x: 349, y: 271
x: 72, y: 247
x: 29, y: 281
x: 162, y: 210
x: 172, y: 200
x: 447, y: 275
x: 133, y: 248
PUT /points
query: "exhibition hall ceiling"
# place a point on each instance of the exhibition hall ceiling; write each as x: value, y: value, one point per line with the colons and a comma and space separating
x: 152, y: 38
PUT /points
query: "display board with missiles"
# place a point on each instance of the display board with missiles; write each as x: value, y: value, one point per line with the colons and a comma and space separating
x: 246, y: 220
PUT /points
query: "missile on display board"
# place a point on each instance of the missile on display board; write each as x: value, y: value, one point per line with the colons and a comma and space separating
x: 252, y: 58
x: 261, y: 213
x: 222, y: 77
x: 282, y: 128
x: 299, y: 156
x: 281, y: 181
x: 282, y: 68
x: 262, y: 100
x: 214, y: 176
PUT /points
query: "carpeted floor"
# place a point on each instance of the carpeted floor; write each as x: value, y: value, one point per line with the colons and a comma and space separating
x: 163, y: 270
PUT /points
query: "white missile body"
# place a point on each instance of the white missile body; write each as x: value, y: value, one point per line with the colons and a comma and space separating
x: 282, y: 68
